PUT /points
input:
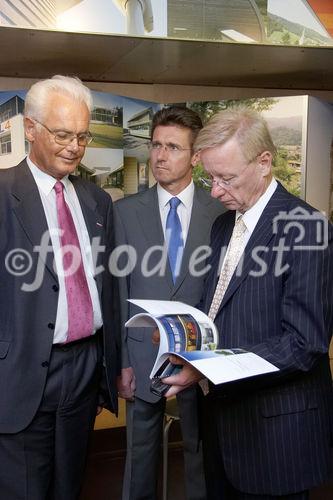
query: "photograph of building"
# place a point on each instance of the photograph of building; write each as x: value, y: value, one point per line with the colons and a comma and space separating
x: 13, y: 146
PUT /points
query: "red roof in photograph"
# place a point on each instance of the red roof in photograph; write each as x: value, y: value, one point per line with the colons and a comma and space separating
x: 324, y: 11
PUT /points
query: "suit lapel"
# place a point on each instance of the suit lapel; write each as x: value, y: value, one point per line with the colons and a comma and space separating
x: 94, y: 221
x: 199, y: 221
x: 223, y: 238
x: 149, y: 217
x: 260, y: 237
x: 29, y: 211
x: 150, y: 220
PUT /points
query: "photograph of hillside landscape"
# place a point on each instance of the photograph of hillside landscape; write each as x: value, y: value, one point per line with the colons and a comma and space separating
x: 284, y: 116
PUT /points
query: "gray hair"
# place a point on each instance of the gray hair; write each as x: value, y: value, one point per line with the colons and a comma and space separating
x: 246, y: 125
x: 37, y: 96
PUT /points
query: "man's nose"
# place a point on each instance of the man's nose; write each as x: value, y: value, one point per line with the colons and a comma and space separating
x: 162, y: 152
x: 74, y: 144
x: 216, y: 190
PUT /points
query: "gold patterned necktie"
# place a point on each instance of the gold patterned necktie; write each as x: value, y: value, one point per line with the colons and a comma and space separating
x: 235, y: 250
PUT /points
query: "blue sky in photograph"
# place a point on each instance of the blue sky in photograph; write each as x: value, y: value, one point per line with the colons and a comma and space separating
x: 133, y: 106
x: 6, y: 95
x: 106, y: 100
x: 100, y: 99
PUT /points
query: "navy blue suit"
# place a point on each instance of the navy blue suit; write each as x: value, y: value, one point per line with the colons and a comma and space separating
x: 272, y: 434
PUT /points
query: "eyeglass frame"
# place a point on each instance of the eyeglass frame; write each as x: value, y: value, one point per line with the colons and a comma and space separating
x: 155, y: 146
x: 210, y: 183
x: 71, y: 134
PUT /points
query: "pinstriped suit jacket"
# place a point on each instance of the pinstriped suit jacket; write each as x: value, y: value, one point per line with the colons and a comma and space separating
x: 274, y: 431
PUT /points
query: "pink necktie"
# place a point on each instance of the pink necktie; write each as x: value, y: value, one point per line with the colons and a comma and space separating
x: 79, y: 304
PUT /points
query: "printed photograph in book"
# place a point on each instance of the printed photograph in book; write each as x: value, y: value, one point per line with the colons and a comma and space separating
x: 176, y: 322
x: 186, y: 334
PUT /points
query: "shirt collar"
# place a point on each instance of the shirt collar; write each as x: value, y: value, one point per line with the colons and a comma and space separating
x: 185, y: 196
x: 44, y: 181
x: 252, y: 215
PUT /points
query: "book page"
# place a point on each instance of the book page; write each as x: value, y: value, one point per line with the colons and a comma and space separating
x: 182, y: 327
x: 227, y: 365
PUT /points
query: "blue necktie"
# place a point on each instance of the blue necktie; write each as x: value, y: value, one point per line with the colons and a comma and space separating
x: 175, y: 238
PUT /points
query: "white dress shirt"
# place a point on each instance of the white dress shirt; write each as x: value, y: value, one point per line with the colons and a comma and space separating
x: 45, y: 184
x: 184, y: 209
x: 252, y: 215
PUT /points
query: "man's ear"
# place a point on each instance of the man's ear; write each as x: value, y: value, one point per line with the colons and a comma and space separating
x: 265, y: 162
x: 195, y: 159
x: 29, y: 128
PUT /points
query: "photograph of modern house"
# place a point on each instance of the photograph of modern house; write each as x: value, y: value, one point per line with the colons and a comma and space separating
x: 13, y: 146
x: 103, y: 157
x: 139, y: 124
x: 137, y: 127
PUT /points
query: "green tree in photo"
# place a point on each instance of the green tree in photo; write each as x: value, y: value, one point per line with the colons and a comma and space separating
x: 285, y: 39
x: 206, y: 109
x: 282, y: 171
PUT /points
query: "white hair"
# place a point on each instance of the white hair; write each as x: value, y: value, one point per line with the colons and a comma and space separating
x: 39, y: 93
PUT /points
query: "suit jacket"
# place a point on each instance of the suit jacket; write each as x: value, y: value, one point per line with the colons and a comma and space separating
x: 277, y: 427
x: 138, y: 224
x: 27, y: 318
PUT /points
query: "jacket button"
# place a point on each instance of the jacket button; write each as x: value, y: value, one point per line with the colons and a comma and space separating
x: 51, y: 326
x: 45, y: 364
x: 55, y: 288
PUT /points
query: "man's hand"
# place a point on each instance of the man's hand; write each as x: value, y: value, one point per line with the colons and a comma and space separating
x: 126, y: 384
x: 185, y: 378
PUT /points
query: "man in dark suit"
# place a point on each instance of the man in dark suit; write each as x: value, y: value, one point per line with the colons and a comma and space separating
x: 55, y: 315
x: 266, y: 437
x: 141, y: 222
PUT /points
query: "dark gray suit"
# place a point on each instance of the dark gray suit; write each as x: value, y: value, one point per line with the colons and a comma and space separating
x: 137, y: 221
x: 27, y: 318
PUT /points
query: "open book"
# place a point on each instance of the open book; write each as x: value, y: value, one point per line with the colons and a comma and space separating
x: 192, y: 335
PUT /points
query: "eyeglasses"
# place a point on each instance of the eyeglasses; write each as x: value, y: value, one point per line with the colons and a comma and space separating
x: 64, y: 138
x: 209, y: 183
x: 223, y: 183
x: 172, y: 149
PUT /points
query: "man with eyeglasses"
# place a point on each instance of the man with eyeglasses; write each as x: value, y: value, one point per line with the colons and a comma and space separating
x: 269, y: 291
x: 143, y: 221
x: 57, y: 318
